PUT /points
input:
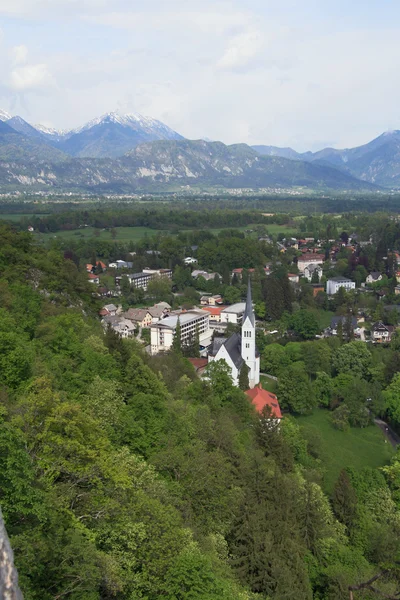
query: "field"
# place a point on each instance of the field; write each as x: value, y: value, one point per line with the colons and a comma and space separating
x: 15, y: 217
x: 355, y: 448
x: 134, y: 234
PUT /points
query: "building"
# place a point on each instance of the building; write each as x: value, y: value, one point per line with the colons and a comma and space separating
x: 121, y: 264
x: 343, y: 320
x: 207, y: 276
x: 123, y: 327
x: 109, y: 310
x: 233, y: 314
x: 334, y: 284
x: 140, y: 317
x: 189, y: 260
x: 239, y: 272
x: 382, y: 334
x: 238, y: 350
x: 141, y: 280
x: 309, y: 258
x: 214, y: 312
x: 310, y: 270
x: 374, y: 277
x: 211, y: 300
x: 93, y: 278
x: 261, y: 398
x: 317, y: 288
x: 293, y: 277
x: 162, y: 333
x: 159, y: 311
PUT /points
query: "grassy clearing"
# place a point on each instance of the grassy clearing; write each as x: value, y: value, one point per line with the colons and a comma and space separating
x: 357, y: 448
x: 268, y: 384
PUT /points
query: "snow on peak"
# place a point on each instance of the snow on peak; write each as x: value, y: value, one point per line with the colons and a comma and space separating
x: 4, y: 116
x: 50, y: 130
x: 131, y: 120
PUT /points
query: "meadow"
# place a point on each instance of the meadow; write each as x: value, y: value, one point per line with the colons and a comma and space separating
x: 357, y: 448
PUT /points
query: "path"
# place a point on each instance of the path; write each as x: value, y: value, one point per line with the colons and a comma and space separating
x: 391, y: 435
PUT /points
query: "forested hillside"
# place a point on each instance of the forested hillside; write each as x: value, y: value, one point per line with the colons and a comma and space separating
x: 126, y: 477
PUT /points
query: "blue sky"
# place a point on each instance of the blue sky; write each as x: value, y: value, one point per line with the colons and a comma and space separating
x: 305, y: 74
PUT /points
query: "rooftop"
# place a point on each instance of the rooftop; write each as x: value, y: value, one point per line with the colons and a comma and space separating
x: 237, y: 308
x: 261, y: 398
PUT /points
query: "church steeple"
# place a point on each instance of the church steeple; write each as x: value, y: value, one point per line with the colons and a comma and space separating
x: 249, y: 312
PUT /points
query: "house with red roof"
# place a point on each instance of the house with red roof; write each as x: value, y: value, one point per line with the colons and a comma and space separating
x: 261, y: 398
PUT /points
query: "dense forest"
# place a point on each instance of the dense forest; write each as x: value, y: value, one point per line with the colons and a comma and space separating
x: 124, y: 476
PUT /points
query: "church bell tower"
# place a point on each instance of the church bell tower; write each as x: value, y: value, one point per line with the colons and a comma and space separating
x: 249, y: 351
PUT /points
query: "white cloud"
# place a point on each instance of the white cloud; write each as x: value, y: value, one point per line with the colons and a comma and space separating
x: 19, y: 54
x: 30, y: 77
x: 241, y: 50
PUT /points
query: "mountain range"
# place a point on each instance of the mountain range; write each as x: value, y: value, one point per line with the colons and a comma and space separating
x: 377, y: 161
x: 130, y: 153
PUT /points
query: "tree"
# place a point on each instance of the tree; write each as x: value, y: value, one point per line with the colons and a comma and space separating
x: 304, y: 324
x: 244, y: 377
x: 344, y: 500
x: 231, y: 295
x: 295, y: 390
x: 353, y: 358
x: 177, y: 341
x: 159, y: 288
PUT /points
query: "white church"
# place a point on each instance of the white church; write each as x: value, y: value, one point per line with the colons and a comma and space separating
x: 237, y: 349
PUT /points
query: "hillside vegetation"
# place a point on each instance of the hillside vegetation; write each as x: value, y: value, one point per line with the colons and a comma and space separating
x: 124, y: 476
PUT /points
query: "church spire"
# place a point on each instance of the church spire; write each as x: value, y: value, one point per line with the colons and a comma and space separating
x: 249, y: 313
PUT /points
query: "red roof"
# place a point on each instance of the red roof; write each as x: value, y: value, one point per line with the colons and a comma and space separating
x: 198, y: 363
x: 213, y: 310
x: 92, y: 276
x: 262, y: 398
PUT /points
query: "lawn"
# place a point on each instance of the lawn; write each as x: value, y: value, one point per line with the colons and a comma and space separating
x: 268, y: 384
x: 357, y: 448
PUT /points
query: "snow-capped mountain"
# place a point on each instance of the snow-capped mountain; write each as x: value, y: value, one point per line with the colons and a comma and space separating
x: 109, y: 136
x: 114, y: 134
x: 4, y: 116
x: 51, y: 134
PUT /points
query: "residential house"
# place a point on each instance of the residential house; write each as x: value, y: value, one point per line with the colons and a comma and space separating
x: 162, y: 333
x: 159, y: 311
x: 311, y: 270
x: 343, y: 320
x: 239, y: 272
x: 261, y: 399
x: 334, y: 284
x: 373, y: 277
x: 382, y: 333
x: 207, y: 276
x: 309, y: 258
x: 109, y: 310
x: 397, y: 290
x: 140, y: 317
x: 120, y: 325
x: 199, y: 364
x: 93, y: 278
x: 211, y: 300
x: 189, y: 260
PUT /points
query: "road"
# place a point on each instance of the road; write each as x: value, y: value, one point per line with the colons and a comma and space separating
x: 391, y: 435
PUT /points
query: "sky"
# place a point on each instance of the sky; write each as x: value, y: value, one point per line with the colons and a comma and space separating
x: 306, y: 74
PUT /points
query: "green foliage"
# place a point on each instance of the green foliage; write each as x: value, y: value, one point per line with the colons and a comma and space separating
x: 304, y: 324
x: 125, y: 476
